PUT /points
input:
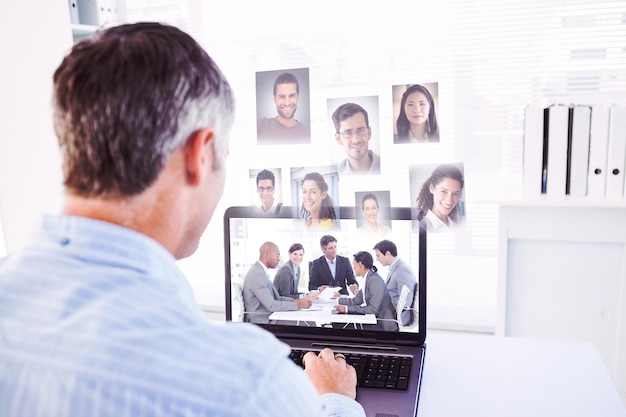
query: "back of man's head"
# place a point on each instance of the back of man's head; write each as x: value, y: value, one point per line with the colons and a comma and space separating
x: 348, y: 110
x: 385, y: 246
x: 126, y: 99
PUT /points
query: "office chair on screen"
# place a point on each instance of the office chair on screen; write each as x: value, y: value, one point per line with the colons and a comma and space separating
x: 238, y: 295
x: 404, y: 294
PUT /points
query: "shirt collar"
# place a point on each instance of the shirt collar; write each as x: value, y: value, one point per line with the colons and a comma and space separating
x: 436, y: 222
x: 266, y: 269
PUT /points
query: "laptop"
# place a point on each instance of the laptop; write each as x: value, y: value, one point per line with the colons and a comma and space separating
x: 401, y: 352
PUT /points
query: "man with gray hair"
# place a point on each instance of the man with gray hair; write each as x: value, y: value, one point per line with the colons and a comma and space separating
x: 95, y: 316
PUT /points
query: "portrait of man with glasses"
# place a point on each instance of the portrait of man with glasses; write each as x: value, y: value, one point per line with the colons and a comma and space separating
x: 353, y: 132
x: 265, y: 190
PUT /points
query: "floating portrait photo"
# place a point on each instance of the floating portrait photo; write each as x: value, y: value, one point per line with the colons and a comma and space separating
x: 437, y: 192
x: 415, y: 109
x: 316, y: 191
x: 373, y: 214
x: 266, y: 186
x: 353, y: 130
x: 283, y: 107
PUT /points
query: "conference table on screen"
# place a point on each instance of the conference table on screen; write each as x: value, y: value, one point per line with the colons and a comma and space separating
x: 322, y: 312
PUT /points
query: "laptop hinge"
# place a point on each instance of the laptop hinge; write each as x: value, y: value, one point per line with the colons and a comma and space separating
x: 355, y: 346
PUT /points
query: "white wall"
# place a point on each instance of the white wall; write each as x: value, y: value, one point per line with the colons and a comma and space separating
x: 33, y: 39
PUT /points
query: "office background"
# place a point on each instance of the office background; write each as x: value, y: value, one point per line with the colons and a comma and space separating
x: 489, y: 58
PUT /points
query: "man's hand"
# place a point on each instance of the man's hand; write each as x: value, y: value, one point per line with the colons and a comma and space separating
x: 330, y: 373
x: 312, y: 296
x: 354, y: 288
x: 303, y: 302
x: 341, y: 308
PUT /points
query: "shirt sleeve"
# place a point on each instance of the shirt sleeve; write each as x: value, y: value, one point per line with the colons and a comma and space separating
x: 284, y: 381
x: 336, y: 405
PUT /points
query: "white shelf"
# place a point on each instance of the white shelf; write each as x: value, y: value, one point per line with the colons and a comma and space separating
x: 545, y: 201
x: 83, y: 30
x: 562, y: 274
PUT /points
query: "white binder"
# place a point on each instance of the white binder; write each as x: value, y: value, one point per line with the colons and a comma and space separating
x: 73, y: 5
x: 598, y: 147
x: 533, y: 150
x: 97, y: 12
x: 558, y: 117
x: 578, y: 163
x: 616, y: 155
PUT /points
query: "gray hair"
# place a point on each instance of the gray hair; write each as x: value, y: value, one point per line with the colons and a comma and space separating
x: 127, y: 98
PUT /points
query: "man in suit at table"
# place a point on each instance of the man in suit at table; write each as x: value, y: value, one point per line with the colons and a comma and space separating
x: 331, y: 269
x: 400, y: 273
x: 260, y: 297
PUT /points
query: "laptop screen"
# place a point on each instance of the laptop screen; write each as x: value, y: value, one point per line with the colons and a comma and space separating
x: 246, y: 229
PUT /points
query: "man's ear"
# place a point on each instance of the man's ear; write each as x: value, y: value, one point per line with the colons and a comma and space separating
x: 199, y: 155
x: 338, y: 138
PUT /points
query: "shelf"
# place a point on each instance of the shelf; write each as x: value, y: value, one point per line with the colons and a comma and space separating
x: 83, y: 30
x: 566, y: 202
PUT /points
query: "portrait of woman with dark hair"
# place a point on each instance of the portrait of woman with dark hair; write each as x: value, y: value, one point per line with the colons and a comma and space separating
x: 372, y: 298
x: 287, y: 278
x: 317, y: 205
x: 372, y: 226
x: 439, y: 197
x: 417, y: 120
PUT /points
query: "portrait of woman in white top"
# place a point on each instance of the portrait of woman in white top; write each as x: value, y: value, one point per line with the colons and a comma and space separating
x: 371, y: 225
x: 439, y: 197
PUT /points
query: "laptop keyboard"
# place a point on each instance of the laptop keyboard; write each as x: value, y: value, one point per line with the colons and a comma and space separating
x: 373, y: 371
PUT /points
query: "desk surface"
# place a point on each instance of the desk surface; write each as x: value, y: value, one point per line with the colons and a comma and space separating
x: 466, y: 375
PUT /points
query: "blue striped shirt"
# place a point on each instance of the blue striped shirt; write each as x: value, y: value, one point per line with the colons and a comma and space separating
x: 97, y: 320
